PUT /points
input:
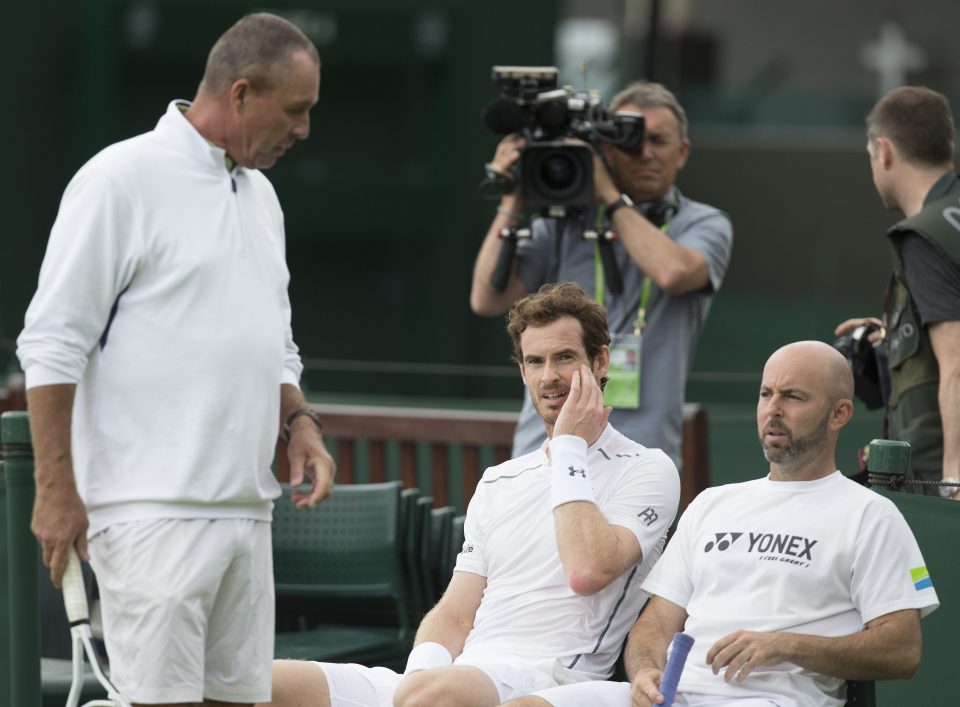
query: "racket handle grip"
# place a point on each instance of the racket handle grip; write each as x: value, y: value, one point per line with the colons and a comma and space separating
x: 74, y: 593
x: 504, y: 267
x: 675, y: 661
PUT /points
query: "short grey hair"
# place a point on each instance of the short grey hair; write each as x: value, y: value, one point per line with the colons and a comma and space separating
x: 647, y: 94
x: 258, y: 48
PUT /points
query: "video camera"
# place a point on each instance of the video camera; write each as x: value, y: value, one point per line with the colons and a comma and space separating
x: 555, y: 176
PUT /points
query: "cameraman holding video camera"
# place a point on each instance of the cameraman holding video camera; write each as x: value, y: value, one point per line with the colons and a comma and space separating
x: 671, y: 254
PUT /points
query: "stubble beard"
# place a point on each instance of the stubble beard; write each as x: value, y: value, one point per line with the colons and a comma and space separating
x: 796, y: 450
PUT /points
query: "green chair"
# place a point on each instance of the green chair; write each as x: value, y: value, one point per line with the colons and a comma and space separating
x: 861, y: 693
x: 456, y: 544
x: 425, y: 560
x: 438, y: 555
x: 412, y: 524
x: 339, y: 561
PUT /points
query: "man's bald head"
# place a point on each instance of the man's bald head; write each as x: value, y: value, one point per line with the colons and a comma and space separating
x: 805, y: 399
x: 820, y: 365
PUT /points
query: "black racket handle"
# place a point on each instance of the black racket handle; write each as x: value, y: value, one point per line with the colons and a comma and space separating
x: 611, y: 272
x: 501, y: 273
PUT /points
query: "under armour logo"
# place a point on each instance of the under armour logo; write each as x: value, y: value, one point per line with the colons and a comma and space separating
x: 574, y: 472
x: 721, y: 543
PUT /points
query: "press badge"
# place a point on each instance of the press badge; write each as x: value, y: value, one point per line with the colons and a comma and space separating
x: 623, y: 377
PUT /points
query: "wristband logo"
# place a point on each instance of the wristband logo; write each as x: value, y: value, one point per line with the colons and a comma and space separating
x: 574, y: 472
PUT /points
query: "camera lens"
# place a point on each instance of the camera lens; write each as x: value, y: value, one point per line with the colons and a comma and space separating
x: 556, y: 175
x: 560, y: 173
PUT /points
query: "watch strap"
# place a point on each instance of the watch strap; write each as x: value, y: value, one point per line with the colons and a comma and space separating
x: 305, y: 412
x: 611, y: 209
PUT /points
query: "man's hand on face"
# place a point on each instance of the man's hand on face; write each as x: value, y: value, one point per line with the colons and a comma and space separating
x: 583, y: 413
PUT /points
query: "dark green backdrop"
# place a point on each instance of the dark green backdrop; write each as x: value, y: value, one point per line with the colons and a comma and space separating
x: 383, y: 212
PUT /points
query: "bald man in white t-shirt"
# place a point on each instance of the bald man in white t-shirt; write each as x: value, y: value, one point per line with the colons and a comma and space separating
x: 790, y: 584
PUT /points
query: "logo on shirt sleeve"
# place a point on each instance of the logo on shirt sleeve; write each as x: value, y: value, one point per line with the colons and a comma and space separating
x: 921, y: 578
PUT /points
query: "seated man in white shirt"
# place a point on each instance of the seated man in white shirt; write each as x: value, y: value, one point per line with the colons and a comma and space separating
x: 790, y: 584
x: 557, y: 542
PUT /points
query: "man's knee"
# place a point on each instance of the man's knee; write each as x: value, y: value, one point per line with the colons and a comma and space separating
x: 298, y: 683
x: 528, y: 701
x: 453, y: 686
x: 421, y: 689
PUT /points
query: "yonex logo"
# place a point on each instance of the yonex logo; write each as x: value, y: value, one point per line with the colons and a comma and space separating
x: 722, y: 542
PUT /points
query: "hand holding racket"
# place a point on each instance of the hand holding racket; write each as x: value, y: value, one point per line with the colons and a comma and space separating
x: 78, y: 614
x: 682, y: 643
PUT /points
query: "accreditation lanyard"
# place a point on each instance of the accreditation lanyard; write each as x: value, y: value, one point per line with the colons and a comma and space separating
x: 600, y: 285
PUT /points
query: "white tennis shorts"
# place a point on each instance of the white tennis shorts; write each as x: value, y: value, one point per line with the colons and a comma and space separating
x: 617, y: 694
x: 353, y: 685
x: 188, y: 608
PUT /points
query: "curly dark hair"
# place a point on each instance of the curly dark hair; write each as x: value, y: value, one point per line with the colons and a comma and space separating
x: 553, y: 302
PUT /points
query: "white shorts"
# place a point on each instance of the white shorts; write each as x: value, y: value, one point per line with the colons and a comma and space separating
x: 597, y: 693
x: 188, y: 608
x: 353, y: 685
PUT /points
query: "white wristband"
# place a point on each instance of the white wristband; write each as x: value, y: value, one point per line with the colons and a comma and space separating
x: 568, y: 471
x: 427, y: 655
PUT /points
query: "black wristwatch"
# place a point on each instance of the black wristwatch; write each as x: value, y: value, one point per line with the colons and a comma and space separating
x: 307, y: 412
x: 622, y: 200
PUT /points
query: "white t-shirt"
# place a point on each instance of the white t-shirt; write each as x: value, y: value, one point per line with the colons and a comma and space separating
x: 820, y: 557
x: 529, y: 614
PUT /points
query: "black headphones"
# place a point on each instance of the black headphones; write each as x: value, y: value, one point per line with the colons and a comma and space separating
x: 659, y: 212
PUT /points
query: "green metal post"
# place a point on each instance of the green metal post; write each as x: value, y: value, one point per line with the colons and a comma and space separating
x: 4, y: 598
x: 889, y: 456
x: 22, y: 561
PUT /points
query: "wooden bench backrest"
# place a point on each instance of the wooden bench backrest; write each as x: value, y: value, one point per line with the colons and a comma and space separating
x: 346, y: 427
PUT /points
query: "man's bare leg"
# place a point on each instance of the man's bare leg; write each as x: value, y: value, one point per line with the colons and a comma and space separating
x: 450, y: 686
x: 298, y: 683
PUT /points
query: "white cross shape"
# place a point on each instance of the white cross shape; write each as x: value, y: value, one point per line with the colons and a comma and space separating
x: 892, y: 56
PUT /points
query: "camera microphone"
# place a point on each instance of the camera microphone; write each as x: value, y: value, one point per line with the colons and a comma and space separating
x: 504, y: 116
x: 553, y: 116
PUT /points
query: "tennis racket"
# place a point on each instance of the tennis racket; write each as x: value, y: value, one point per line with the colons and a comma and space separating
x: 682, y: 643
x: 78, y: 614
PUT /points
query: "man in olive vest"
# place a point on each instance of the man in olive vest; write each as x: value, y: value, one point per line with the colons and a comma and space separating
x: 910, y: 141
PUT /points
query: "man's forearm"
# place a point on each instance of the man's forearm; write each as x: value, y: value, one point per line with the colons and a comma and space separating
x: 51, y: 414
x: 879, y: 653
x: 889, y: 647
x: 675, y: 269
x: 945, y: 341
x: 651, y: 635
x: 484, y: 300
x: 592, y: 552
x: 291, y: 400
x: 439, y: 626
x: 949, y: 398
